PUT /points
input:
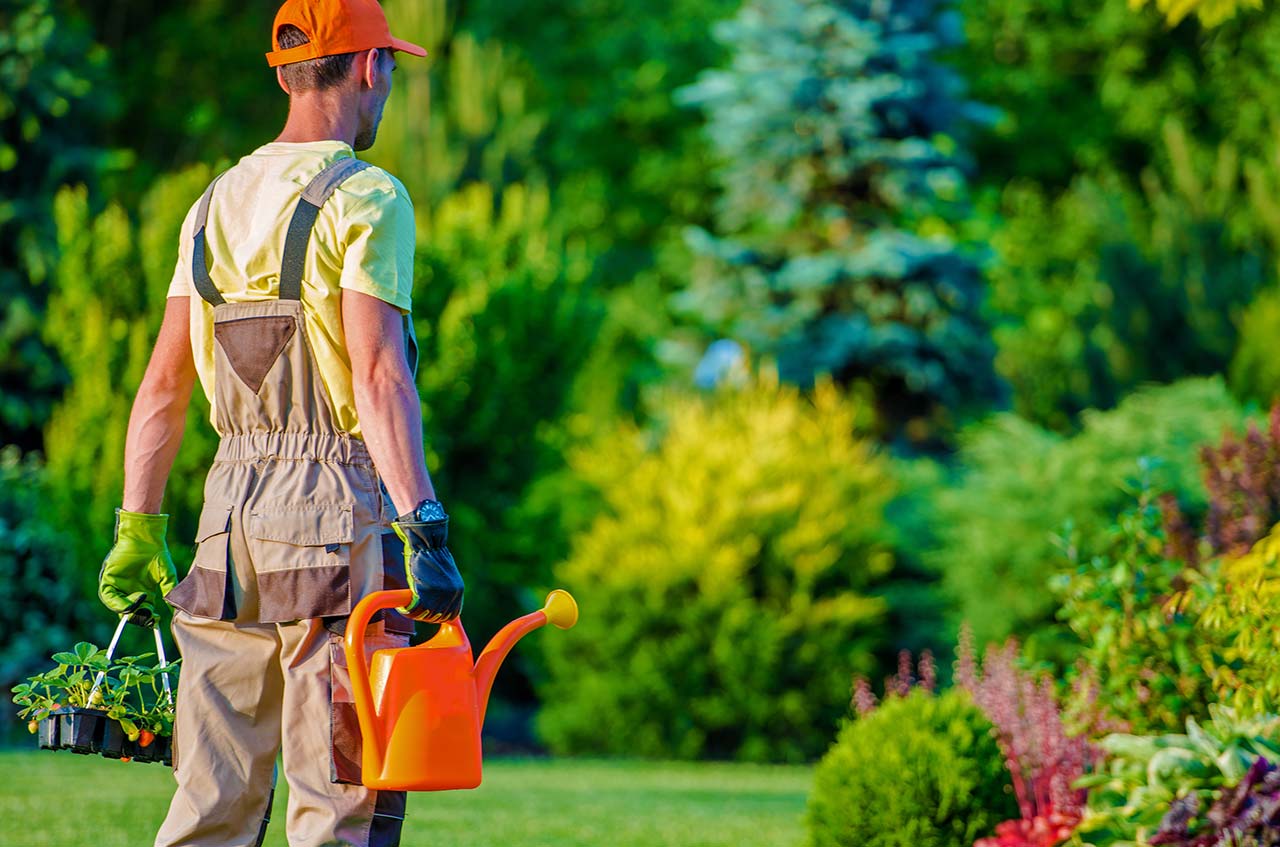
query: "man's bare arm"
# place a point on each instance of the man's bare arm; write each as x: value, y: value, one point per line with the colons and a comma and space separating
x: 159, y: 411
x: 387, y: 401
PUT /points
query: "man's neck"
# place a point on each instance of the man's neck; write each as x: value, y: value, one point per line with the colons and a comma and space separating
x: 320, y: 116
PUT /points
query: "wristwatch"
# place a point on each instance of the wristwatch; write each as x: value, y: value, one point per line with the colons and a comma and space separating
x: 428, y: 511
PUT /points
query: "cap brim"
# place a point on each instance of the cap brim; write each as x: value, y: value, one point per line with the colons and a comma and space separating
x: 407, y: 47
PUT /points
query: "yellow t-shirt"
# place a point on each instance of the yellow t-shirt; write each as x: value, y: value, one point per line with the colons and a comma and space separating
x: 363, y: 240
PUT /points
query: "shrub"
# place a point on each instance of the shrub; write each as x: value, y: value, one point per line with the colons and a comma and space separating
x: 504, y: 324
x: 1021, y: 485
x: 1255, y: 370
x: 57, y: 92
x: 1147, y: 777
x: 837, y: 128
x: 1240, y: 605
x: 41, y: 608
x: 727, y: 584
x: 1142, y: 650
x: 919, y: 771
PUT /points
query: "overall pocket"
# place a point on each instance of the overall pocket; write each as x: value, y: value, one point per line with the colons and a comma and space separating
x: 301, y: 556
x: 203, y: 592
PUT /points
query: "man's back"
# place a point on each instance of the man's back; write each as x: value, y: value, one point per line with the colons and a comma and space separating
x: 362, y: 241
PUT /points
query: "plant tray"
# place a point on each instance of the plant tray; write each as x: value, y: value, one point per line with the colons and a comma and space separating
x: 91, y: 732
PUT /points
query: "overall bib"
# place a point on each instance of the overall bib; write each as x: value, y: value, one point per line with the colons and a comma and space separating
x: 294, y: 531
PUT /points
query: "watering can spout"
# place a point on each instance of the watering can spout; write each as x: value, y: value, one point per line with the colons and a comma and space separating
x: 560, y: 610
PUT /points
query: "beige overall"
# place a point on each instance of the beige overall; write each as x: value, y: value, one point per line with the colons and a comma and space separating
x: 293, y: 533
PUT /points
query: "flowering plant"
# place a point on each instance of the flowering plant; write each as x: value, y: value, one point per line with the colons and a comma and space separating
x: 1044, y: 760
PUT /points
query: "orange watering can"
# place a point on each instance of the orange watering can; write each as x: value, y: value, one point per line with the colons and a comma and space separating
x: 421, y: 708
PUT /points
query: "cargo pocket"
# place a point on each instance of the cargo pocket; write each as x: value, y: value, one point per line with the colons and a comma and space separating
x: 302, y: 558
x: 346, y: 745
x: 203, y: 592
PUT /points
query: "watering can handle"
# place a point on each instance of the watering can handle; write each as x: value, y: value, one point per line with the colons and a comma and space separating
x: 357, y: 664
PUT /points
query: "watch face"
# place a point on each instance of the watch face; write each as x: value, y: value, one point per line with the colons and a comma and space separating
x: 431, y: 510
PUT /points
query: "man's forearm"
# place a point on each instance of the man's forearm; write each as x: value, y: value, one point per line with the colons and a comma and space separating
x: 155, y: 434
x: 391, y: 421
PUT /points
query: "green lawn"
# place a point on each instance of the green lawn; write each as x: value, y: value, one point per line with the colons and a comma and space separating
x: 64, y: 800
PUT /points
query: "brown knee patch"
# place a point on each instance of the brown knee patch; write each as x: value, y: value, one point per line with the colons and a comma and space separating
x: 252, y: 345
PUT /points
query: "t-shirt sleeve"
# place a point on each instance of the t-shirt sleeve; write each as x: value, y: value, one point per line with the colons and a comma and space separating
x: 379, y: 245
x: 180, y: 285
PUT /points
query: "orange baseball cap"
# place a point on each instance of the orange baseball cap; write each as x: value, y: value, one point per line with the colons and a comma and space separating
x: 334, y: 27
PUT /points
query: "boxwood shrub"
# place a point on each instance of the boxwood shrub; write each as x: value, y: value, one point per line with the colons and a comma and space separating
x: 919, y: 771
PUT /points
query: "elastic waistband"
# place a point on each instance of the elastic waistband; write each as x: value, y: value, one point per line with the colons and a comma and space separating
x: 341, y: 448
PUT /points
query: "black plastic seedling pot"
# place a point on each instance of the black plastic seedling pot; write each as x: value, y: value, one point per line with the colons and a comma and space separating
x: 156, y: 751
x: 49, y: 733
x: 90, y: 731
x: 80, y: 730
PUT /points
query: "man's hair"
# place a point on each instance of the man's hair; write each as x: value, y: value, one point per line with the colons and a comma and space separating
x: 311, y: 74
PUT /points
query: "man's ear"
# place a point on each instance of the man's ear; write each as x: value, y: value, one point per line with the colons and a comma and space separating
x: 368, y: 65
x: 280, y: 79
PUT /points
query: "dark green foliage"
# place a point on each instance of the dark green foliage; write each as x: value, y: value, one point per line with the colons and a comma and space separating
x: 1104, y: 288
x: 194, y: 75
x: 503, y: 322
x: 836, y: 131
x: 1141, y: 648
x: 40, y: 602
x: 919, y: 771
x: 1017, y: 486
x: 623, y: 158
x: 628, y: 167
x: 1128, y: 192
x: 52, y: 98
x: 1255, y: 367
x: 1080, y: 85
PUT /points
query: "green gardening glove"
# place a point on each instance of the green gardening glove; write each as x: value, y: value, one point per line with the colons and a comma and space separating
x: 138, y: 571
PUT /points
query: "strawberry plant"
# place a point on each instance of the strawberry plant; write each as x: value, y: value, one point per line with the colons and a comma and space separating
x: 90, y: 703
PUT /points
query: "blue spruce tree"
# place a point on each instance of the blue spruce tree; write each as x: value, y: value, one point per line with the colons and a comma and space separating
x: 835, y: 126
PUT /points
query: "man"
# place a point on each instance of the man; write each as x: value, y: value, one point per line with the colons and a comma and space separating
x: 290, y: 302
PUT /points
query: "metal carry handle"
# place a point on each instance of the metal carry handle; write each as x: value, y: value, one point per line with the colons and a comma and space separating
x: 111, y: 651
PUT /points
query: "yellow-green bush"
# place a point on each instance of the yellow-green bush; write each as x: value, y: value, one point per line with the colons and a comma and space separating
x: 1240, y: 604
x: 919, y: 771
x: 1255, y: 368
x: 726, y: 587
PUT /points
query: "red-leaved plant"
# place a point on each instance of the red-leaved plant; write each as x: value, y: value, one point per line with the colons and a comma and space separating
x: 925, y: 676
x: 1043, y: 759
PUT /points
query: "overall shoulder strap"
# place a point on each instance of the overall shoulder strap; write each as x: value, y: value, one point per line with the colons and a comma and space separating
x: 199, y: 269
x: 304, y: 218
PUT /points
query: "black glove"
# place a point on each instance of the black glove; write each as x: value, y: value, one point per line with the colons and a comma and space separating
x: 433, y: 576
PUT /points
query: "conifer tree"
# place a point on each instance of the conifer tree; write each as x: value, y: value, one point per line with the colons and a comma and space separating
x: 836, y: 126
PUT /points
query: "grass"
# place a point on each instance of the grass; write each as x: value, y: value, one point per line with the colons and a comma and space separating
x: 64, y: 800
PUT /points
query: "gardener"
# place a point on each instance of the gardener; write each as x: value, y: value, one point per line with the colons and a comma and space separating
x: 291, y: 303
